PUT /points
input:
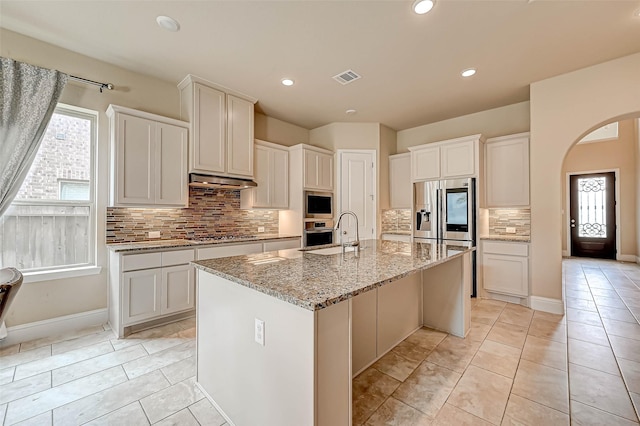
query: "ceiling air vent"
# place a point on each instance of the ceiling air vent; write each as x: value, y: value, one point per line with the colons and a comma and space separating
x: 346, y: 77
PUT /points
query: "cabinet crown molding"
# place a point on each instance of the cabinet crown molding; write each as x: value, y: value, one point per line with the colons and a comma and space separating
x: 117, y: 109
x: 190, y: 79
x: 509, y: 137
x: 477, y: 137
x: 311, y: 148
x: 271, y: 144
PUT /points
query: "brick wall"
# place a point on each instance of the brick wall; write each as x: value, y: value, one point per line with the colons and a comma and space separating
x: 211, y: 212
x: 64, y: 154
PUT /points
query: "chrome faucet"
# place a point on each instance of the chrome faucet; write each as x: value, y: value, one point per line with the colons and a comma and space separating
x: 356, y: 243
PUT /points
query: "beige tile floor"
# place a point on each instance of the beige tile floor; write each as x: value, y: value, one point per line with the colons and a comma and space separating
x: 89, y: 377
x: 517, y: 366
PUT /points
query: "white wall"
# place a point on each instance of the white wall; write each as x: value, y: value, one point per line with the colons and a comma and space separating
x: 563, y: 110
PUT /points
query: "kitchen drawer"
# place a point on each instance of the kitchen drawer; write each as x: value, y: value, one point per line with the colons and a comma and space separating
x: 177, y: 257
x: 506, y: 248
x: 282, y: 245
x: 133, y: 262
x: 226, y: 250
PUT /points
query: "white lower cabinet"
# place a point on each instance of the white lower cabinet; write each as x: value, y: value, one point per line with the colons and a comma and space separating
x: 505, y: 268
x: 149, y: 286
x: 146, y: 287
x: 141, y: 295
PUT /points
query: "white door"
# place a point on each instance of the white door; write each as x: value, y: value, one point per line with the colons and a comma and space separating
x: 178, y: 288
x: 141, y: 295
x: 136, y: 147
x: 239, y: 136
x: 171, y: 165
x: 357, y: 193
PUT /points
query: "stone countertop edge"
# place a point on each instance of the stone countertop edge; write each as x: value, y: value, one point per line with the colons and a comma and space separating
x: 397, y: 233
x: 516, y: 238
x: 330, y: 301
x: 143, y: 246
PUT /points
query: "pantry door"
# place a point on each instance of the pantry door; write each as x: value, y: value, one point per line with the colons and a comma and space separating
x: 592, y: 220
x: 356, y: 192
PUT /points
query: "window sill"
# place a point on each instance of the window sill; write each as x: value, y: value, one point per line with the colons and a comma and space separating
x: 34, y: 277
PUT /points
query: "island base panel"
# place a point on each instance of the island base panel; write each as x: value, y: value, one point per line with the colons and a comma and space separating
x: 446, y: 301
x: 253, y: 384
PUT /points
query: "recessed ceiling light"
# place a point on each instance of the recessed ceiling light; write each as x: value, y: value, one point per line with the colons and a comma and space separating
x: 168, y: 23
x: 468, y: 72
x: 423, y: 6
x: 287, y: 82
x: 350, y: 111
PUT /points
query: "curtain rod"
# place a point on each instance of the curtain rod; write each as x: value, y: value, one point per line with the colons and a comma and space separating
x: 102, y: 86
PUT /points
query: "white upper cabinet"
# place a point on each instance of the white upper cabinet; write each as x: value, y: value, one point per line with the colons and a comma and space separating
x: 318, y: 170
x: 425, y: 163
x: 446, y: 159
x: 209, y: 146
x: 507, y: 171
x: 239, y: 136
x: 148, y: 159
x: 458, y: 159
x: 222, y: 123
x: 272, y: 177
x: 400, y: 186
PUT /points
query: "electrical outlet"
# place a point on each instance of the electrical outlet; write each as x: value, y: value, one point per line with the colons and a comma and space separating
x: 154, y: 234
x: 260, y: 228
x: 510, y: 230
x: 259, y: 332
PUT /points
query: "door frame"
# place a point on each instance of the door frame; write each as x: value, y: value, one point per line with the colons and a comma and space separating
x: 567, y: 252
x: 374, y: 172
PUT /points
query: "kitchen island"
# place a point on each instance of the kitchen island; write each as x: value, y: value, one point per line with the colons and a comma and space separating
x: 281, y: 334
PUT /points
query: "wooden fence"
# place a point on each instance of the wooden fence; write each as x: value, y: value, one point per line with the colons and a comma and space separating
x: 37, y: 236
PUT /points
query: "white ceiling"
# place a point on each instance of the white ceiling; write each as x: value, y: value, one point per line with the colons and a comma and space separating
x: 410, y: 64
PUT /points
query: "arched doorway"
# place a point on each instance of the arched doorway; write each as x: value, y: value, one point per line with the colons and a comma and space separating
x: 563, y: 110
x: 599, y: 195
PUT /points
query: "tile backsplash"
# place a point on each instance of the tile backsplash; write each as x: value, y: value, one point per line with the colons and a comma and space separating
x: 500, y: 219
x: 396, y: 220
x: 210, y: 212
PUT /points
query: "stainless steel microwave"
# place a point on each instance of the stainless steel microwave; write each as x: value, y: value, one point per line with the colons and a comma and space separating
x: 318, y: 205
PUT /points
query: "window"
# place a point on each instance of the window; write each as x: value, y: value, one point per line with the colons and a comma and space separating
x: 51, y: 223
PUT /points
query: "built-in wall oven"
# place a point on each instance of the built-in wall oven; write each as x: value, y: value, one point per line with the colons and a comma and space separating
x: 317, y: 233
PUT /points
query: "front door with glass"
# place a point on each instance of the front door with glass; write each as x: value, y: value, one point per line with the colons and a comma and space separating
x: 592, y: 220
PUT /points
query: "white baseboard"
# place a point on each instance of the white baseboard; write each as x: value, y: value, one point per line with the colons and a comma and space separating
x: 215, y: 404
x: 565, y: 253
x: 546, y: 304
x: 627, y: 258
x: 638, y: 260
x: 54, y: 326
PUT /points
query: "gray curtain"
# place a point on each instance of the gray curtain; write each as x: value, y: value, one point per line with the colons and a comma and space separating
x: 28, y: 97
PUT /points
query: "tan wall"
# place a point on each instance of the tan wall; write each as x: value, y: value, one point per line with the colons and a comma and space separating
x: 336, y: 136
x: 563, y: 110
x: 49, y: 299
x: 501, y: 121
x: 637, y: 155
x: 277, y: 131
x: 609, y: 155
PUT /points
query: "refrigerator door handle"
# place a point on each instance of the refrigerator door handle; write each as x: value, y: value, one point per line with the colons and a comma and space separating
x: 439, y: 218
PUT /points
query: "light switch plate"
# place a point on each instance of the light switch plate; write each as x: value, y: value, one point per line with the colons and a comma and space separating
x: 510, y: 230
x: 260, y: 228
x: 154, y: 234
x: 259, y: 332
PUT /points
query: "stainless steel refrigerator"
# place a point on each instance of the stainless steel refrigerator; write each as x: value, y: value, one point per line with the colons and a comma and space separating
x: 445, y: 213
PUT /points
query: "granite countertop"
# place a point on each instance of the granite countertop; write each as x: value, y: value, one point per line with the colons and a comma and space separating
x: 315, y: 281
x: 502, y: 237
x: 184, y: 243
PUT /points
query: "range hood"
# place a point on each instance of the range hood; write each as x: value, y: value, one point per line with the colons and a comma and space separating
x: 207, y: 181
